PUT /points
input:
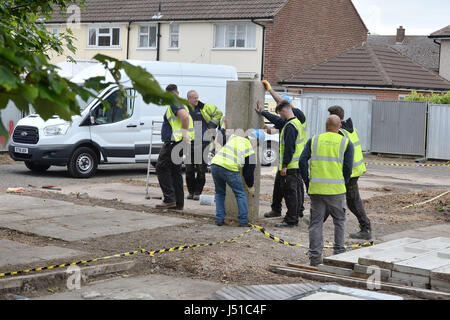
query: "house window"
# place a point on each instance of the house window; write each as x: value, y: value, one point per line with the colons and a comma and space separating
x: 104, y: 37
x: 235, y: 36
x: 147, y: 37
x: 174, y: 35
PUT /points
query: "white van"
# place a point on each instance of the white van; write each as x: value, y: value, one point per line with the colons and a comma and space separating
x: 118, y: 135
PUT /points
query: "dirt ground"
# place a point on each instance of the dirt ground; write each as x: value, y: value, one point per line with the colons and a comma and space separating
x: 5, y: 158
x: 244, y: 261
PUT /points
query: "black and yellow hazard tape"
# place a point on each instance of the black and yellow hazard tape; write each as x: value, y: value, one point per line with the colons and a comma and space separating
x: 279, y: 240
x: 181, y: 248
x: 173, y: 249
x: 81, y: 262
x: 404, y: 164
x: 425, y: 202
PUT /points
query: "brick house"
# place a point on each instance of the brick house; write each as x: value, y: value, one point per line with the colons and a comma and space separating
x: 366, y: 71
x: 261, y: 38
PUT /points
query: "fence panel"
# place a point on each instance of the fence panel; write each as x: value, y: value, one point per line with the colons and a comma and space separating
x: 398, y: 127
x: 316, y: 112
x: 438, y: 132
x: 10, y: 115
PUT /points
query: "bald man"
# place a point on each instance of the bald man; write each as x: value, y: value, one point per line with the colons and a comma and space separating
x: 331, y: 156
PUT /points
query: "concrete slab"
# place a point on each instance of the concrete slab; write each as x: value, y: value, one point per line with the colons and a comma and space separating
x: 439, y: 230
x: 93, y: 222
x: 15, y: 253
x: 153, y: 287
x: 442, y: 273
x: 11, y: 202
x: 440, y: 285
x: 65, y: 209
x: 423, y: 265
x: 335, y: 270
x: 411, y: 277
x: 135, y: 194
x: 329, y: 296
x: 409, y: 283
x: 386, y: 259
x: 350, y: 258
x: 384, y: 273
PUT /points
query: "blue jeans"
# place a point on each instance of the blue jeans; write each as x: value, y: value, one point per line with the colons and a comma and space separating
x: 222, y: 177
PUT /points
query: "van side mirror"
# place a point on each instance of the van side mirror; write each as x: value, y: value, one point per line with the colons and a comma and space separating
x: 91, y: 117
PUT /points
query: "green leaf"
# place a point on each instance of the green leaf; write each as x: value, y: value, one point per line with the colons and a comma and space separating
x: 7, y: 79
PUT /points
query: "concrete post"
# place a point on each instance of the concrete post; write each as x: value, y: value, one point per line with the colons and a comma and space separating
x: 240, y: 114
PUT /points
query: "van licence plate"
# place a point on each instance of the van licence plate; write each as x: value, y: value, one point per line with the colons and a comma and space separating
x: 21, y: 150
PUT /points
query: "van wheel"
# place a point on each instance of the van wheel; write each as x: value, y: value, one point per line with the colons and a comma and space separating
x: 83, y: 163
x: 270, y: 153
x: 36, y: 167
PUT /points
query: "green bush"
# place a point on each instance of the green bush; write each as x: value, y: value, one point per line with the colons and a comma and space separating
x: 434, y: 98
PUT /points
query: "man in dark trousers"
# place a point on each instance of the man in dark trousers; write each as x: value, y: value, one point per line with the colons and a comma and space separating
x: 177, y: 127
x: 277, y: 195
x: 205, y: 116
x: 292, y: 142
x: 331, y: 159
x: 353, y: 199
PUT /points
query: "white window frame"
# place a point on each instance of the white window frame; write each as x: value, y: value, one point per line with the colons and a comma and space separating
x: 235, y: 36
x: 149, y: 25
x: 174, y: 33
x: 97, y: 35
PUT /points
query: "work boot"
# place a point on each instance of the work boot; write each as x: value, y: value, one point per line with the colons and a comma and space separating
x: 196, y: 197
x: 285, y: 224
x: 363, y: 234
x: 165, y: 205
x: 190, y: 196
x: 176, y: 207
x: 272, y: 214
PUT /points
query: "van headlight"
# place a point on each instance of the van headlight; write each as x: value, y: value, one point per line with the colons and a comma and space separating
x: 57, y: 130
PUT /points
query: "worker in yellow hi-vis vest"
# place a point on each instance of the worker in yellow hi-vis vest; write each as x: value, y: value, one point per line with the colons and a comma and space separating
x: 206, y: 116
x: 237, y: 153
x: 331, y: 157
x: 354, y: 202
x: 177, y: 127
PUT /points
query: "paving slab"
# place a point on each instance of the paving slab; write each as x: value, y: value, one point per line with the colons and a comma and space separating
x: 350, y: 258
x: 438, y: 230
x: 440, y: 285
x: 442, y: 273
x: 329, y: 296
x: 93, y: 222
x: 424, y: 265
x: 153, y: 287
x: 386, y: 259
x: 411, y: 277
x: 15, y: 253
x: 64, y: 209
x: 335, y: 270
x: 409, y: 283
x: 384, y: 273
x: 11, y: 202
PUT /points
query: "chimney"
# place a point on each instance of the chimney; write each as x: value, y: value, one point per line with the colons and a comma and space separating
x: 400, y: 35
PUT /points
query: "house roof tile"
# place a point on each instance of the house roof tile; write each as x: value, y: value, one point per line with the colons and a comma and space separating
x: 145, y: 10
x: 370, y: 66
x: 444, y: 32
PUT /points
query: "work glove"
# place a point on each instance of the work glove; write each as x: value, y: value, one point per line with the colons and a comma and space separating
x: 266, y: 85
x: 251, y: 191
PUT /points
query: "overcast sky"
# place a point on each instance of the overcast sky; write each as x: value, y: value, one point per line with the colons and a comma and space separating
x: 418, y: 17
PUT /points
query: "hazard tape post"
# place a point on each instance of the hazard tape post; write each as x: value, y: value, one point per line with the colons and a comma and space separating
x: 173, y: 249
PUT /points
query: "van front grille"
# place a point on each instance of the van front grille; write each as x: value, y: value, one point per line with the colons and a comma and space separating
x: 26, y: 134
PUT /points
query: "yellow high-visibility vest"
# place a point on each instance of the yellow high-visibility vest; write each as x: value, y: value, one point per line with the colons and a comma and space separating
x: 232, y: 155
x: 299, y: 144
x: 175, y: 123
x: 327, y: 163
x: 359, y: 166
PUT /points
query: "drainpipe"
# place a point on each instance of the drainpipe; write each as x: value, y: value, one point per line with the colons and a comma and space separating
x: 263, y: 46
x: 439, y: 62
x: 158, y: 36
x: 128, y: 39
